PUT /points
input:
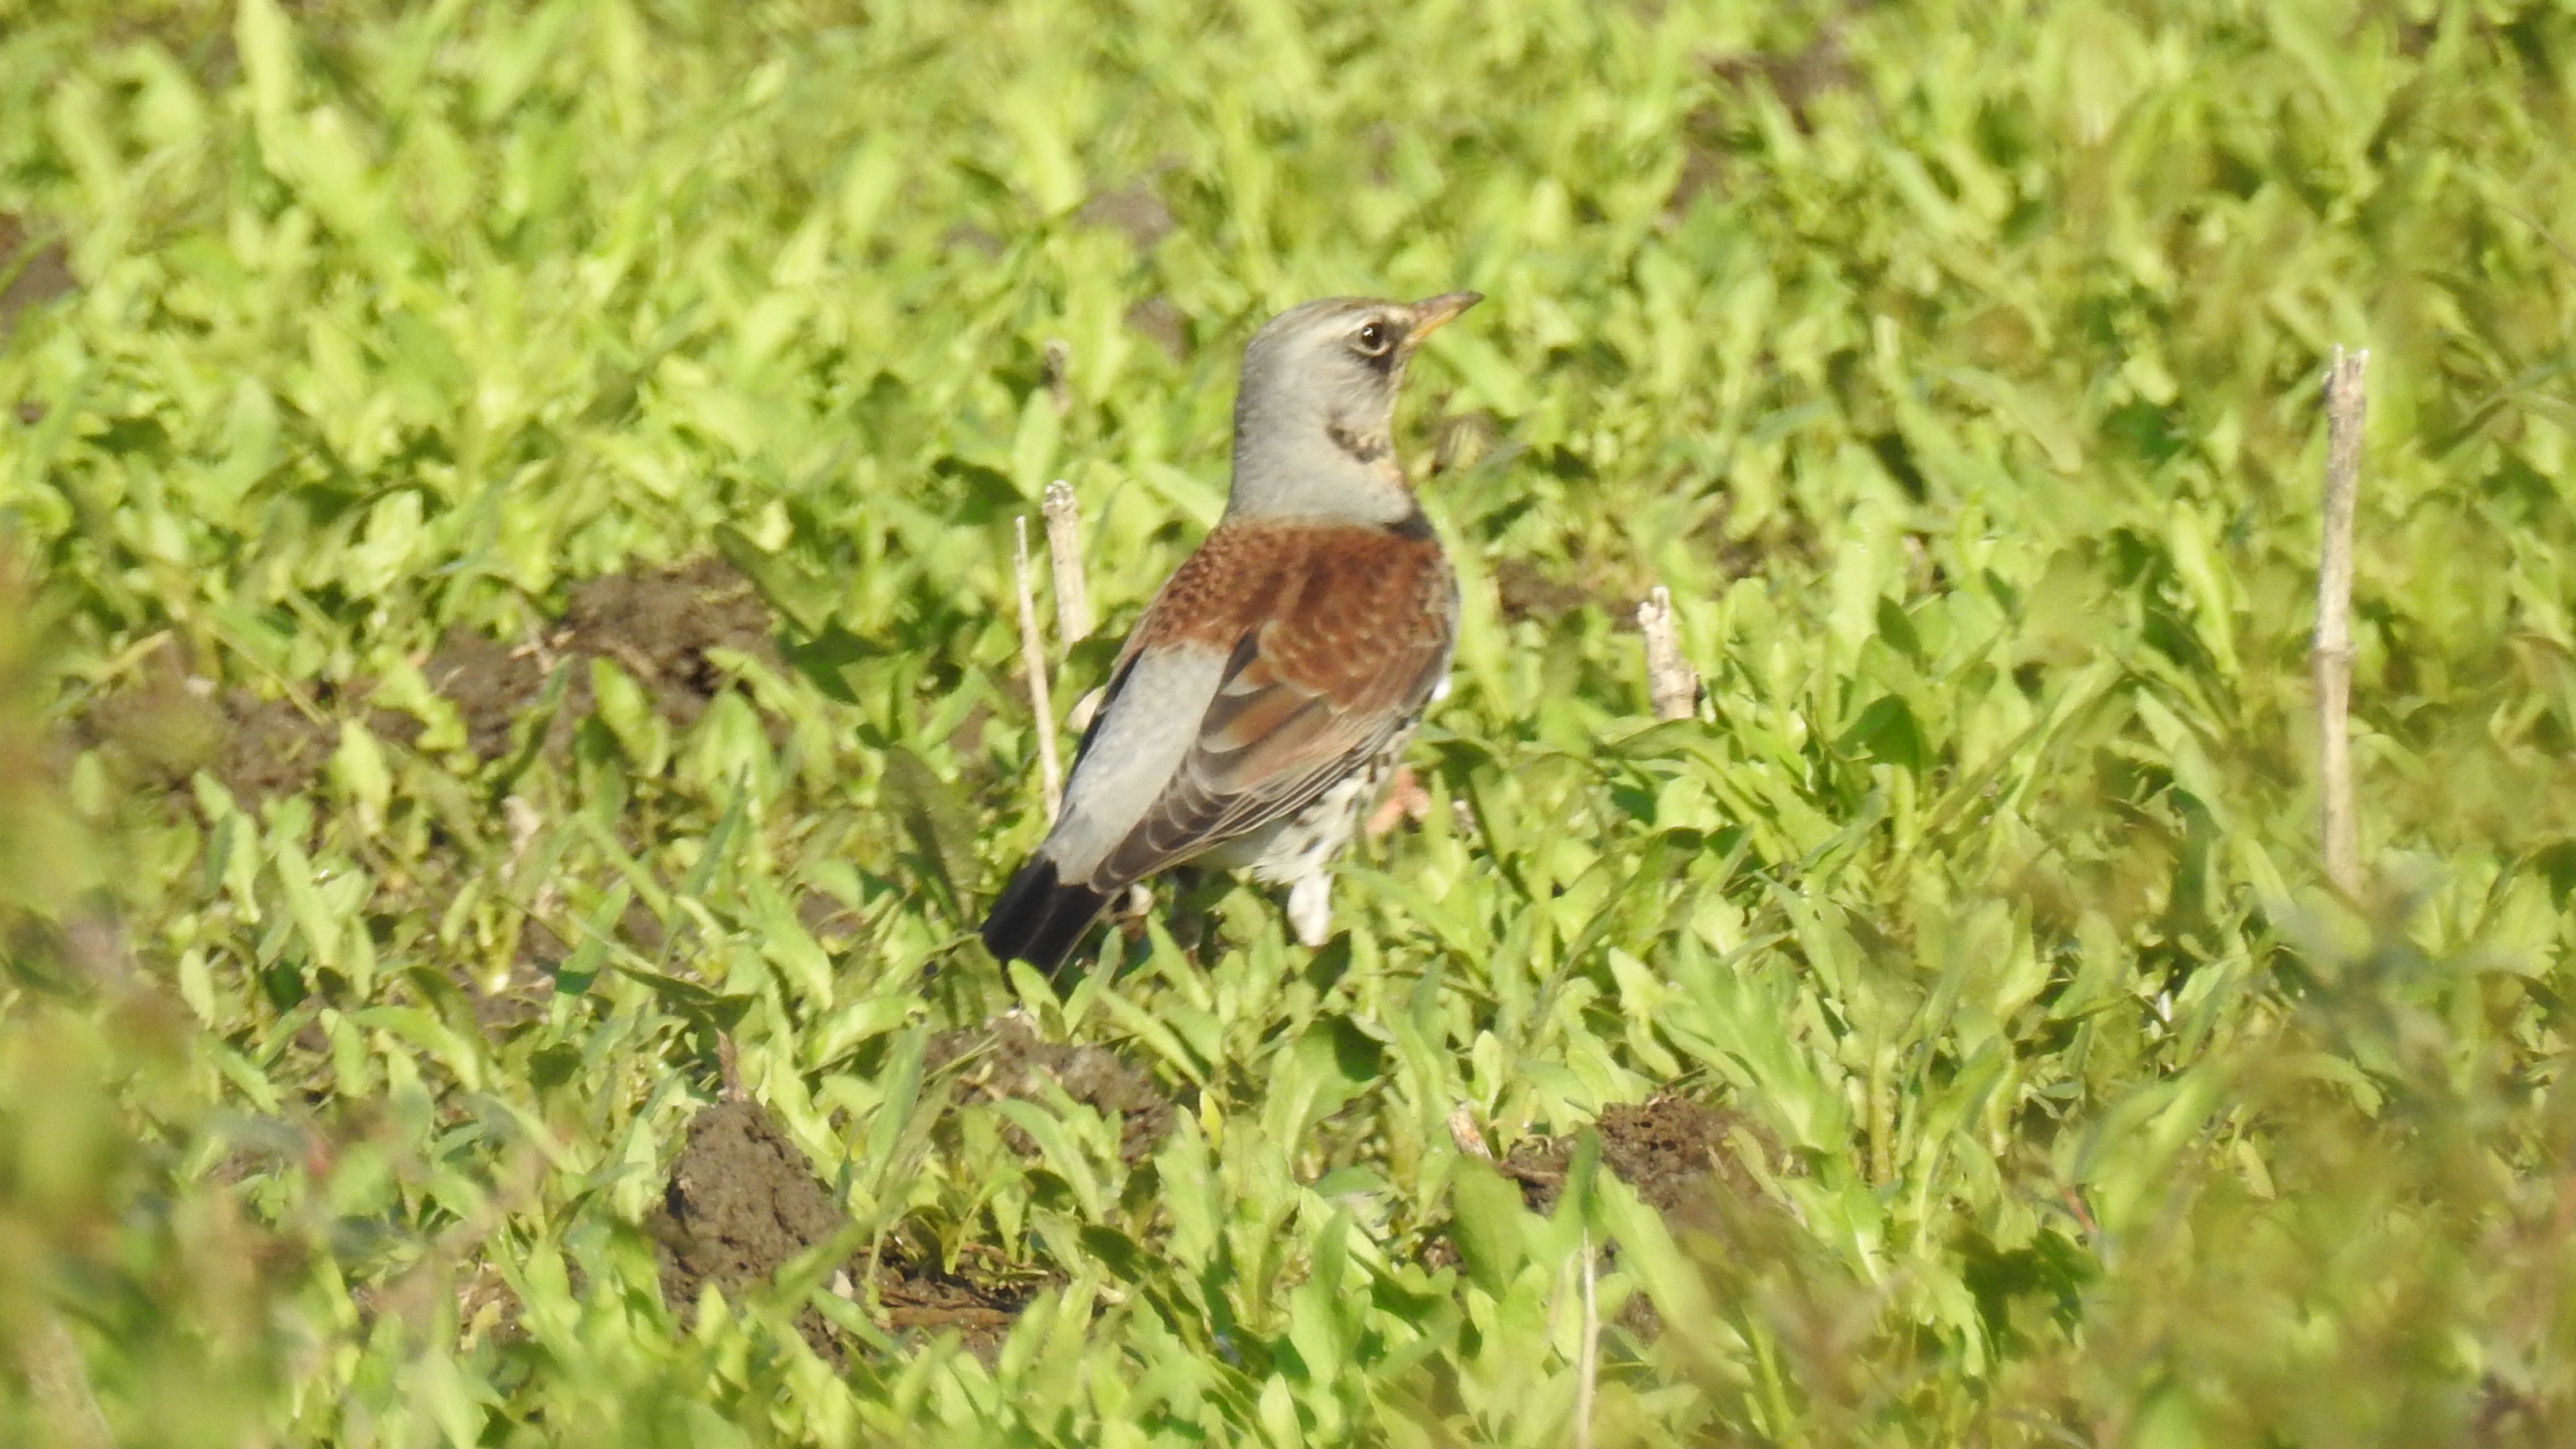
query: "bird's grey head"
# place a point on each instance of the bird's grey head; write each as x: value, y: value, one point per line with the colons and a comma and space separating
x: 1314, y: 422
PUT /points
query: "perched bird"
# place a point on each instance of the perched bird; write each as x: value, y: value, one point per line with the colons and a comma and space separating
x: 1265, y: 696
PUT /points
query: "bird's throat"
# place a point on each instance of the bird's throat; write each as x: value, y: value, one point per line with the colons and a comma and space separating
x: 1362, y: 446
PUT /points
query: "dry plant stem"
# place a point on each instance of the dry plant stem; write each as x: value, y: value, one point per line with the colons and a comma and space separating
x: 1059, y: 374
x: 59, y: 1383
x: 1033, y: 659
x: 1587, y: 1363
x: 1672, y: 686
x: 1064, y: 559
x: 1462, y: 1130
x: 2331, y: 654
x: 729, y: 1070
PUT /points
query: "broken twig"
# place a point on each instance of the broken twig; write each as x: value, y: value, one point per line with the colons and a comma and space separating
x: 1064, y: 559
x: 1033, y: 658
x: 1587, y: 1362
x: 2331, y: 653
x: 1462, y: 1130
x: 59, y: 1383
x: 1672, y: 686
x: 1057, y: 374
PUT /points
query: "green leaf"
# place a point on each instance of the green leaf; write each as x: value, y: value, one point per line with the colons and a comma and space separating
x: 936, y: 822
x: 806, y: 600
x: 1485, y: 1222
x: 900, y: 1082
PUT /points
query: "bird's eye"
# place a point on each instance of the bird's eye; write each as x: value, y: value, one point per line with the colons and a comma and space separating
x: 1374, y: 339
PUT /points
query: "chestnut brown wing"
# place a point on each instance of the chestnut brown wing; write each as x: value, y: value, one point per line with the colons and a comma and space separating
x: 1338, y: 637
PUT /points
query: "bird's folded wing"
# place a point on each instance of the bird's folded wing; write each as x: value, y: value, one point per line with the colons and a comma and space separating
x: 1306, y: 697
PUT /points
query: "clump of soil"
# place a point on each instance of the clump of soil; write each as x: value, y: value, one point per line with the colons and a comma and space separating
x: 828, y: 919
x: 542, y: 950
x: 1673, y: 1153
x: 270, y: 747
x: 1008, y: 1061
x: 1135, y: 211
x: 491, y: 685
x: 931, y: 1301
x: 1785, y: 540
x: 163, y: 726
x: 742, y: 1201
x: 169, y: 723
x: 1161, y: 321
x: 30, y: 275
x: 1523, y: 591
x: 659, y: 627
x: 1671, y: 1150
x: 1798, y: 78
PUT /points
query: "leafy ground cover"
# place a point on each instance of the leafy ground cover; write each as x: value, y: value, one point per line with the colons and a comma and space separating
x: 509, y: 711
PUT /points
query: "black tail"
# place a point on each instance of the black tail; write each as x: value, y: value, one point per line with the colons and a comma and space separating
x: 1039, y: 918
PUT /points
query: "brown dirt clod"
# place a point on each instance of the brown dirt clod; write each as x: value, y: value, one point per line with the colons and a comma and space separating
x: 659, y: 627
x: 1671, y: 1150
x: 1798, y: 77
x: 1135, y: 211
x: 168, y: 723
x: 827, y: 919
x: 1008, y: 1061
x: 928, y: 1300
x: 30, y: 276
x: 1524, y: 592
x: 163, y: 725
x: 743, y: 1200
x: 1160, y: 320
x: 491, y: 685
x: 270, y: 747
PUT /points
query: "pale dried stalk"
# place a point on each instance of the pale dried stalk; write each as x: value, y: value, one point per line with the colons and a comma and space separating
x: 1672, y: 686
x: 2331, y: 654
x: 1033, y: 659
x: 729, y: 1086
x: 59, y: 1383
x: 1064, y: 558
x: 1462, y: 1130
x: 1058, y: 374
x: 1587, y: 1363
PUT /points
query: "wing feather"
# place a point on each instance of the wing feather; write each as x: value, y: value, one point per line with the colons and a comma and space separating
x: 1353, y: 644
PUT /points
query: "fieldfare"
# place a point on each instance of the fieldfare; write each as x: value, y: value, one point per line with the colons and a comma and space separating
x: 1264, y: 698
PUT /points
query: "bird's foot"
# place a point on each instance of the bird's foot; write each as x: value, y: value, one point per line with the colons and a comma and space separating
x: 1310, y: 909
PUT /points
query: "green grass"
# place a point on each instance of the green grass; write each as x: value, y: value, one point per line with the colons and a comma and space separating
x: 1955, y: 365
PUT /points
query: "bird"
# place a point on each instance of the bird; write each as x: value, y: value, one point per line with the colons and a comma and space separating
x: 1267, y: 693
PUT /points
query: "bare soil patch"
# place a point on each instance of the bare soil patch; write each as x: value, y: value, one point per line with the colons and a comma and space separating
x: 742, y: 1201
x: 1007, y: 1061
x: 1670, y: 1150
x: 34, y: 270
x: 661, y: 627
x: 169, y: 722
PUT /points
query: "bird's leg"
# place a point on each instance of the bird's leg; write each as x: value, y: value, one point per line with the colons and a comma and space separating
x: 1193, y: 906
x: 1128, y: 911
x: 1310, y: 909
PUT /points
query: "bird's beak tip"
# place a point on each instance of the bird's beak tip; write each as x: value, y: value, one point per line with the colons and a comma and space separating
x: 1432, y: 313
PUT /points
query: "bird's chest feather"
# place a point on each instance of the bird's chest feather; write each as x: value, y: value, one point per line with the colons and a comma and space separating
x: 1305, y: 843
x: 1335, y: 605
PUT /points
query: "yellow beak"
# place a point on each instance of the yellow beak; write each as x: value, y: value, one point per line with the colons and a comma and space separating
x: 1433, y: 313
